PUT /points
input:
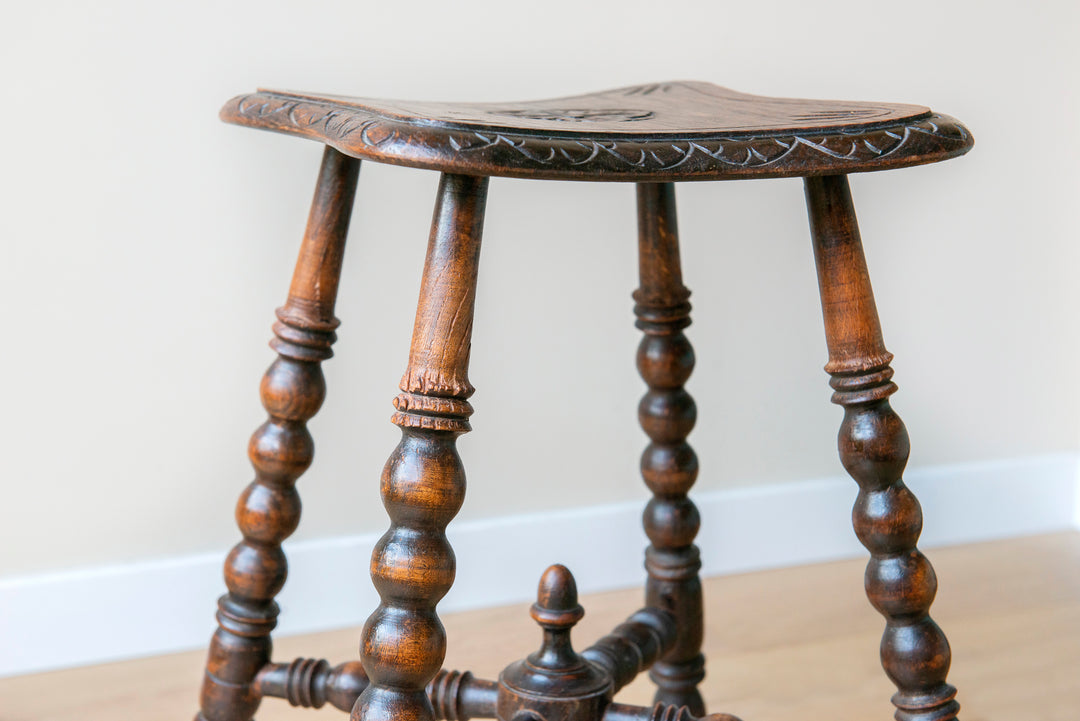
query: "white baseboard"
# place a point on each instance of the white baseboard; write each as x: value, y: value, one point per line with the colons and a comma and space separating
x: 108, y: 613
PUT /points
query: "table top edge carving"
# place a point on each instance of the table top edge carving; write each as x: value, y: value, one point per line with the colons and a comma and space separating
x: 599, y: 137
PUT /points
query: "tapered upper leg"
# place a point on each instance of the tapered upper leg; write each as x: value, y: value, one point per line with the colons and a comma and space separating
x: 423, y: 483
x: 292, y: 391
x: 873, y: 445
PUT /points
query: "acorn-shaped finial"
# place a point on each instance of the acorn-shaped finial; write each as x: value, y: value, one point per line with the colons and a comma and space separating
x: 555, y: 683
x: 556, y: 604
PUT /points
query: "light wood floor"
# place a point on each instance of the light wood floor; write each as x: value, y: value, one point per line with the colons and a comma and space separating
x: 797, y: 643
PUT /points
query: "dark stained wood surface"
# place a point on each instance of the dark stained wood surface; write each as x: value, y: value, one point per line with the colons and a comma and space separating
x: 557, y: 684
x: 669, y: 466
x: 292, y: 392
x: 873, y: 444
x: 423, y: 482
x: 654, y: 110
x: 655, y: 134
x: 660, y: 131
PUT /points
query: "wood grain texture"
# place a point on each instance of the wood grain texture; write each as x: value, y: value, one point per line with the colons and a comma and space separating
x: 660, y: 131
x: 669, y: 465
x: 280, y: 450
x: 1017, y: 655
x: 653, y: 134
x: 423, y: 483
x: 873, y: 443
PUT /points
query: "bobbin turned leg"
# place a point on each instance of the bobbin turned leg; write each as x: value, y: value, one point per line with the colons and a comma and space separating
x: 423, y: 483
x: 280, y: 450
x: 669, y: 466
x: 873, y: 443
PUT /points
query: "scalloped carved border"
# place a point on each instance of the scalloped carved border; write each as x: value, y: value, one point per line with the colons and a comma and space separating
x: 360, y: 132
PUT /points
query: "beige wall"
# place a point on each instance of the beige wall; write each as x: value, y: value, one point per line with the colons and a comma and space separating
x: 145, y: 246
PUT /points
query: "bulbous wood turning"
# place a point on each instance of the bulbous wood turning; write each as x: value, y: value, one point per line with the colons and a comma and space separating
x: 669, y: 465
x: 423, y: 483
x: 873, y: 444
x: 662, y: 133
x: 281, y: 449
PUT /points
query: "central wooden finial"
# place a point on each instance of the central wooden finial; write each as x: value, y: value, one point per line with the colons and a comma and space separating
x: 557, y: 611
x: 555, y: 683
x: 556, y: 599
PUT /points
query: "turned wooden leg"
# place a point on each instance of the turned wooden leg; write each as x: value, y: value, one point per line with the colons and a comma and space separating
x: 873, y: 443
x: 669, y: 466
x: 423, y: 483
x: 280, y: 450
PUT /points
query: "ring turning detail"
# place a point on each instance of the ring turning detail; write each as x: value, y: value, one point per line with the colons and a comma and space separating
x: 873, y: 443
x: 653, y: 135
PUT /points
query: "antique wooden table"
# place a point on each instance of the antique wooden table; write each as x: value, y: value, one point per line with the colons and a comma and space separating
x: 651, y: 135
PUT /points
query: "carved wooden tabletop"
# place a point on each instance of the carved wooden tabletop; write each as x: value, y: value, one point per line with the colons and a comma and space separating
x: 663, y: 131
